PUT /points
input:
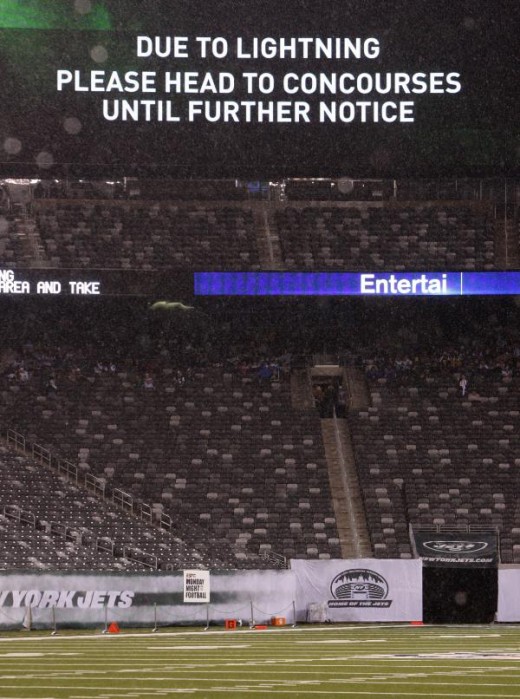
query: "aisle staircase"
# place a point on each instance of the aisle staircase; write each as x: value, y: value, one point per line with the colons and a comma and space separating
x: 29, y: 247
x: 344, y: 484
x: 507, y: 253
x: 267, y: 239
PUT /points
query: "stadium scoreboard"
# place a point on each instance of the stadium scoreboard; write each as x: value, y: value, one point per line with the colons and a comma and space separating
x: 227, y: 89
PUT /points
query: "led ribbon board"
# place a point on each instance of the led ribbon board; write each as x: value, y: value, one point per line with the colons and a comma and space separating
x: 356, y: 283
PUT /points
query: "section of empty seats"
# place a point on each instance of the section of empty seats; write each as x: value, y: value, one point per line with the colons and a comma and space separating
x: 133, y: 235
x: 237, y: 468
x: 406, y: 237
x: 49, y: 523
x: 16, y: 249
x: 429, y: 456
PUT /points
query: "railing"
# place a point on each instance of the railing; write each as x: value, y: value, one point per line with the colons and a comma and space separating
x: 276, y: 559
x: 42, y: 455
x: 103, y: 543
x: 12, y: 512
x: 70, y: 471
x: 124, y: 501
x: 95, y: 485
x: 58, y: 529
x: 464, y: 528
x: 147, y: 559
x: 144, y: 512
x: 165, y: 522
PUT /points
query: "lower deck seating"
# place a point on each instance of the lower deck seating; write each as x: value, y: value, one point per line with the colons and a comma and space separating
x: 428, y: 456
x: 48, y: 523
x: 227, y: 457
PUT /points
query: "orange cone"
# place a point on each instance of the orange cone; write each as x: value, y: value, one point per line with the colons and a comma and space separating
x: 114, y: 627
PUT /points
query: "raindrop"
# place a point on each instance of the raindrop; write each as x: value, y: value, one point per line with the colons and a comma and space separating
x: 99, y: 54
x: 44, y: 159
x: 82, y: 7
x: 72, y: 125
x: 12, y: 145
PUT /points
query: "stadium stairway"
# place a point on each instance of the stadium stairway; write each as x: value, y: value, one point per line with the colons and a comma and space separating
x: 30, y: 247
x: 507, y: 241
x: 268, y: 243
x: 348, y: 505
x: 301, y: 390
x: 359, y: 395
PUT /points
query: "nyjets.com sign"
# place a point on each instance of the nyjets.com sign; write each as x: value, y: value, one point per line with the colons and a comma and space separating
x: 456, y: 549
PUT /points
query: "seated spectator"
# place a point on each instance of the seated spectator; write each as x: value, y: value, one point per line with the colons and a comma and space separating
x: 148, y: 382
x: 265, y: 372
x: 52, y: 386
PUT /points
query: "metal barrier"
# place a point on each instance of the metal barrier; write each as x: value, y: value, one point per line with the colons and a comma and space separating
x: 165, y: 522
x: 124, y: 500
x: 144, y: 512
x: 149, y: 560
x: 103, y: 543
x: 42, y: 455
x: 12, y: 512
x: 95, y: 485
x: 15, y: 439
x: 58, y: 529
x: 276, y: 559
x: 67, y: 469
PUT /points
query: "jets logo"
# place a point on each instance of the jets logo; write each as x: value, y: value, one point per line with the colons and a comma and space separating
x: 455, y: 547
x: 359, y: 587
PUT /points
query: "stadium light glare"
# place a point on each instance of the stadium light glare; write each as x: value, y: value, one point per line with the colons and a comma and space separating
x: 58, y: 14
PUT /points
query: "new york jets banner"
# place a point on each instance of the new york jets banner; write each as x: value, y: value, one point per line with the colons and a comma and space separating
x: 456, y: 549
x: 508, y: 597
x: 90, y: 599
x: 360, y: 590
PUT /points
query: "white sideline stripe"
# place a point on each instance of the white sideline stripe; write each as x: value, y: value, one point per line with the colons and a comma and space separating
x: 418, y: 632
x: 279, y: 630
x: 238, y: 645
x: 345, y: 640
x: 298, y: 690
x: 281, y: 690
x: 486, y: 635
x: 33, y: 655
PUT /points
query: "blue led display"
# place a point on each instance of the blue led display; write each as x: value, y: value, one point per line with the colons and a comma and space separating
x: 356, y: 283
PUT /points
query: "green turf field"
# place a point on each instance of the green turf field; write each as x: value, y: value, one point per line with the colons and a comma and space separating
x: 333, y: 661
